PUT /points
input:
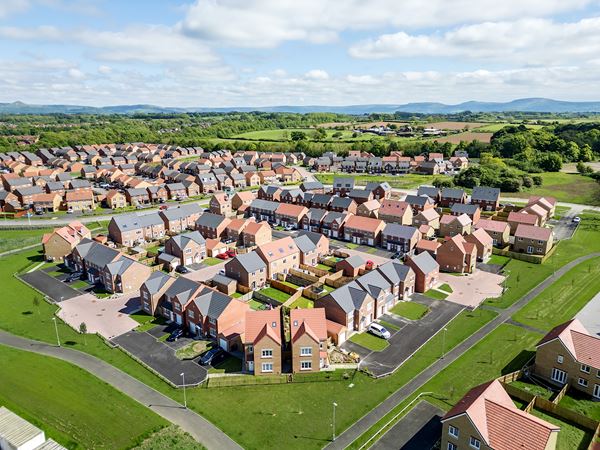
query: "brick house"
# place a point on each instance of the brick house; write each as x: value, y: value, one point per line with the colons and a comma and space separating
x: 399, y: 238
x: 90, y: 257
x: 288, y: 215
x: 248, y: 270
x: 518, y: 218
x: 242, y: 198
x: 131, y: 229
x: 401, y: 276
x: 235, y: 228
x: 428, y: 217
x: 80, y: 200
x: 256, y: 233
x: 124, y: 275
x: 60, y: 243
x: 487, y: 198
x: 453, y: 225
x: 343, y: 205
x: 280, y: 256
x: 262, y: 210
x: 472, y: 211
x: 271, y: 193
x: 211, y: 225
x: 533, y: 240
x: 369, y: 209
x: 381, y: 289
x: 342, y: 186
x: 350, y: 266
x: 381, y: 191
x: 180, y: 218
x: 457, y: 255
x: 350, y: 306
x: 263, y: 342
x: 312, y: 246
x: 308, y: 337
x: 313, y: 220
x: 137, y: 196
x: 426, y: 270
x: 363, y: 230
x: 157, y: 194
x: 115, y: 199
x: 220, y: 204
x: 548, y: 203
x: 538, y: 211
x: 47, y: 202
x: 396, y: 211
x: 189, y: 247
x: 450, y: 196
x: 499, y: 231
x: 483, y: 242
x: 334, y: 224
x: 419, y: 203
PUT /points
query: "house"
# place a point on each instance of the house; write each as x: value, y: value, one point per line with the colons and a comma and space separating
x: 401, y: 277
x: 380, y: 191
x: 334, y: 223
x: 180, y: 218
x: 453, y: 225
x: 350, y: 266
x: 220, y: 203
x: 256, y: 233
x: 399, y: 238
x: 25, y: 195
x: 263, y: 342
x: 321, y: 242
x: 137, y: 196
x: 176, y: 191
x: 363, y: 230
x: 115, y: 199
x: 428, y: 217
x: 343, y: 205
x: 457, y: 255
x: 248, y: 269
x: 131, y: 229
x: 381, y: 289
x: 430, y: 191
x: 60, y: 243
x: 426, y: 270
x: 548, y: 203
x: 309, y: 253
x: 518, y: 218
x: 242, y: 198
x: 124, y: 275
x: 533, y: 240
x: 472, y: 211
x: 570, y: 354
x: 342, y: 186
x: 499, y: 231
x: 369, y: 209
x: 308, y: 337
x: 271, y: 193
x: 290, y: 216
x: 313, y: 219
x: 262, y: 210
x: 314, y: 187
x: 80, y: 200
x: 536, y: 210
x: 483, y: 242
x: 207, y: 183
x: 215, y: 247
x: 487, y: 198
x: 426, y: 245
x: 234, y: 229
x: 486, y: 418
x: 46, y: 202
x: 211, y: 225
x: 419, y: 203
x: 360, y: 196
x: 396, y: 211
x: 226, y: 285
x: 322, y: 201
x: 280, y: 256
x: 175, y: 297
x: 190, y: 247
x: 350, y: 306
x: 252, y: 178
x: 450, y: 196
x: 91, y: 258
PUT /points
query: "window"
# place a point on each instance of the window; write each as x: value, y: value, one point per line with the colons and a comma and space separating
x: 559, y: 376
x: 212, y: 321
x: 250, y: 349
x: 191, y: 313
x: 453, y: 431
x: 582, y: 382
x: 585, y: 368
x: 474, y: 442
x: 267, y: 367
x: 598, y: 374
x: 559, y: 359
x: 305, y: 351
x: 305, y: 365
x: 267, y: 353
x: 452, y: 446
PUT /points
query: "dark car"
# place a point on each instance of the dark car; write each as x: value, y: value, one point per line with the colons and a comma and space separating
x: 182, y: 269
x: 397, y: 255
x: 73, y: 276
x: 175, y: 334
x: 213, y: 356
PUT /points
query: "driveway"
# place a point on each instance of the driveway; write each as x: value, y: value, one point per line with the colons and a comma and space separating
x: 205, y: 273
x: 411, y: 336
x: 564, y: 228
x: 470, y: 290
x: 108, y: 317
x: 379, y: 256
x: 55, y: 289
x: 160, y: 357
x: 420, y: 429
x: 590, y: 315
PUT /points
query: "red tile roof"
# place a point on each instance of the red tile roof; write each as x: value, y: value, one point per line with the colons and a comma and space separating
x: 393, y: 208
x: 531, y: 232
x: 364, y: 223
x: 254, y: 227
x: 492, y: 225
x: 584, y: 347
x: 425, y: 244
x: 263, y: 323
x: 281, y: 248
x: 290, y: 210
x: 518, y: 217
x: 309, y: 321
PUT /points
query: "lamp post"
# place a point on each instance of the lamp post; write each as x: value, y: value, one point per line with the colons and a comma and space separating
x: 184, y: 397
x: 444, y: 343
x: 333, y: 423
x: 56, y: 329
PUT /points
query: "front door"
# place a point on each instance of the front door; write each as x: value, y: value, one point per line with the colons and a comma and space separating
x: 178, y: 319
x: 529, y: 249
x: 250, y: 366
x: 560, y: 376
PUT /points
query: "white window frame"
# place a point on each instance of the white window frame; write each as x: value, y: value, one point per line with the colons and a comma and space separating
x: 266, y: 367
x: 474, y: 443
x: 305, y: 365
x: 554, y: 375
x: 559, y: 359
x: 266, y: 353
x: 305, y: 351
x: 452, y: 446
x: 585, y: 368
x: 453, y: 431
x: 582, y: 382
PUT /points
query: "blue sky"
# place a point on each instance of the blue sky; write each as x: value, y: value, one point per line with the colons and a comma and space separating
x: 274, y: 52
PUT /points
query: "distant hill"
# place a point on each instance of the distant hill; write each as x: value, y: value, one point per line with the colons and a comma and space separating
x: 519, y: 105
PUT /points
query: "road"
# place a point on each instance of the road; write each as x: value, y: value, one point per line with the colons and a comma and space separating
x: 201, y: 429
x: 371, y: 418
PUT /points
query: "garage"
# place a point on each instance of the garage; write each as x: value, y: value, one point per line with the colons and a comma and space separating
x: 223, y: 344
x: 188, y: 260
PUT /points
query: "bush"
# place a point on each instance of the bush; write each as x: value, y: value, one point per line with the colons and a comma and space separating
x: 527, y: 182
x: 537, y: 180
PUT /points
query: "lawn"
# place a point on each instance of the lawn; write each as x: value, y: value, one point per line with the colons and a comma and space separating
x: 79, y: 284
x: 170, y: 438
x: 388, y: 326
x: 564, y: 298
x: 146, y: 321
x: 351, y: 245
x: 446, y: 288
x: 565, y: 187
x: 275, y: 294
x: 570, y: 436
x: 302, y: 302
x: 230, y: 365
x: 409, y: 181
x: 255, y: 305
x: 583, y: 404
x: 435, y: 294
x: 410, y: 310
x: 533, y: 389
x: 193, y: 349
x: 210, y: 261
x: 292, y: 285
x: 14, y: 239
x: 83, y: 412
x: 498, y: 260
x: 367, y: 340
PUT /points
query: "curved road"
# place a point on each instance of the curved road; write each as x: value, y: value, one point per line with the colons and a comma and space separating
x: 372, y: 417
x: 201, y: 429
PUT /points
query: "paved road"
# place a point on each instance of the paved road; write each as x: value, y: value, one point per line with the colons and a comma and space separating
x: 369, y: 419
x: 55, y: 289
x: 201, y: 429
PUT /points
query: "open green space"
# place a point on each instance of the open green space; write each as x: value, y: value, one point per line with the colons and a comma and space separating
x: 74, y: 407
x: 79, y: 284
x: 170, y: 438
x: 324, y: 267
x: 210, y: 261
x: 498, y: 260
x: 302, y: 302
x: 581, y: 403
x: 275, y: 294
x: 534, y: 389
x: 566, y: 187
x: 369, y: 341
x: 285, y: 134
x: 410, y: 310
x: 446, y: 288
x: 564, y: 298
x: 16, y: 239
x: 256, y: 305
x: 408, y: 181
x: 570, y: 436
x: 435, y: 294
x: 231, y: 364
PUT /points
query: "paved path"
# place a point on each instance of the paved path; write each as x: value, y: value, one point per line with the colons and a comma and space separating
x: 372, y: 417
x: 201, y: 429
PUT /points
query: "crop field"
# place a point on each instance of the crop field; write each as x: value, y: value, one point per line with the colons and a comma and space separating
x: 467, y: 136
x: 455, y: 125
x: 566, y: 187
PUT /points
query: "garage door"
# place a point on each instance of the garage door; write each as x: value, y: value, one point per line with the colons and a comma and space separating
x: 370, y: 241
x: 341, y: 338
x: 188, y: 260
x: 223, y: 344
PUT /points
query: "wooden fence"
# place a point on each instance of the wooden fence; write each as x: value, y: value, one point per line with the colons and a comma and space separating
x: 306, y: 276
x: 283, y: 287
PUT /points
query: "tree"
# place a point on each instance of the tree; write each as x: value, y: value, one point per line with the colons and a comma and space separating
x: 298, y: 135
x: 337, y: 134
x: 320, y: 134
x: 443, y: 182
x: 36, y: 303
x: 584, y: 169
x: 550, y: 162
x: 537, y: 180
x: 83, y: 330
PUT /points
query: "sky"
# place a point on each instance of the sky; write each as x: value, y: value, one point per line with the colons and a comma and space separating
x: 224, y: 53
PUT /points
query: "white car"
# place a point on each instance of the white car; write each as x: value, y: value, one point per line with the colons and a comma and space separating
x: 379, y: 331
x: 576, y: 219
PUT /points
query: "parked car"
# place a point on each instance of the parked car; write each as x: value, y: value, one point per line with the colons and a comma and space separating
x: 222, y: 272
x: 175, y: 334
x: 576, y: 219
x: 223, y: 256
x: 182, y: 269
x: 230, y: 253
x: 369, y: 265
x: 379, y: 331
x: 73, y: 276
x: 213, y: 356
x: 163, y: 207
x: 397, y: 255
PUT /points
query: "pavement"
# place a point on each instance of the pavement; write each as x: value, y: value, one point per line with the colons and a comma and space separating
x: 564, y: 228
x: 161, y: 357
x: 376, y: 257
x: 471, y: 290
x: 590, y: 315
x: 54, y: 289
x: 206, y: 273
x: 411, y: 336
x: 371, y: 418
x: 420, y: 429
x: 201, y: 429
x: 107, y: 317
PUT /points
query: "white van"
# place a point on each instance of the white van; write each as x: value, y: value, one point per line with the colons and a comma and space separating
x: 379, y: 331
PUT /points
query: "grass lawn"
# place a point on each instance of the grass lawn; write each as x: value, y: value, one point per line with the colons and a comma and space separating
x: 210, y: 261
x: 532, y: 389
x: 432, y: 293
x: 570, y: 436
x: 146, y: 321
x: 566, y: 187
x: 582, y: 404
x: 498, y: 260
x: 292, y: 285
x: 230, y: 365
x: 193, y: 349
x: 302, y: 302
x: 408, y: 181
x: 79, y: 284
x: 237, y: 294
x: 324, y: 267
x: 170, y: 438
x: 564, y: 298
x: 14, y: 239
x: 369, y: 341
x: 351, y: 245
x: 410, y: 310
x: 388, y: 326
x: 82, y: 413
x: 275, y: 294
x: 255, y: 305
x: 446, y: 287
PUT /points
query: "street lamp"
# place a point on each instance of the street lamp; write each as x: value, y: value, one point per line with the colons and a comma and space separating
x: 184, y: 397
x: 56, y: 329
x: 333, y: 423
x: 444, y: 343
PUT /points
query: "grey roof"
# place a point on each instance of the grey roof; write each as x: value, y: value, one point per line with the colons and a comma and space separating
x: 420, y: 200
x: 267, y: 205
x: 350, y: 296
x: 316, y: 214
x: 21, y: 181
x: 395, y: 271
x: 29, y: 190
x: 76, y: 183
x: 212, y: 303
x: 371, y: 186
x: 485, y: 193
x: 182, y: 240
x: 119, y: 266
x: 452, y: 193
x: 308, y: 185
x: 355, y: 261
x: 425, y: 262
x: 294, y: 192
x: 181, y: 212
x: 175, y: 186
x: 134, y: 192
x: 95, y: 253
x: 333, y: 216
x: 430, y: 191
x: 222, y: 279
x: 343, y: 182
x: 359, y: 193
x: 270, y: 190
x: 250, y: 261
x: 210, y: 220
x: 341, y: 202
x: 462, y: 208
x: 322, y: 199
x: 305, y: 244
x: 127, y: 222
x: 374, y: 283
x: 400, y: 231
x: 182, y: 288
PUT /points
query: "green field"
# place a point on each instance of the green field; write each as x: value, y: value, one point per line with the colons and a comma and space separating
x: 284, y: 135
x: 14, y: 239
x: 210, y: 261
x: 170, y: 438
x: 275, y: 294
x: 581, y: 403
x: 410, y: 310
x: 565, y: 187
x: 369, y: 341
x: 86, y: 413
x: 409, y: 181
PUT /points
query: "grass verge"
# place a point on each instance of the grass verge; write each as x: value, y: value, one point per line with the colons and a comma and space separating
x: 368, y: 341
x: 410, y: 310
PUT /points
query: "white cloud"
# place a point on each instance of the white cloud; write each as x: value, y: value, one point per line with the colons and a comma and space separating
x: 317, y: 74
x: 267, y: 23
x: 525, y: 41
x: 105, y: 70
x: 8, y: 7
x: 76, y: 74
